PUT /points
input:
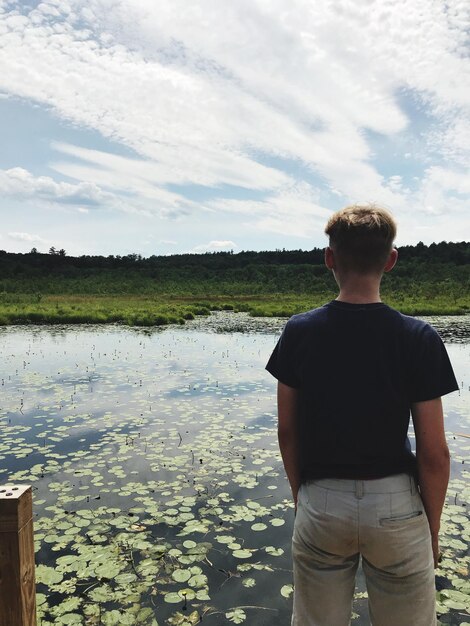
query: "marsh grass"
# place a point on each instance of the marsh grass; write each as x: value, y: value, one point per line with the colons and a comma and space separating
x: 80, y: 309
x: 167, y: 308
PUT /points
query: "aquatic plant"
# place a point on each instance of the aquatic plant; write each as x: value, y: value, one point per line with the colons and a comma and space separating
x: 159, y: 494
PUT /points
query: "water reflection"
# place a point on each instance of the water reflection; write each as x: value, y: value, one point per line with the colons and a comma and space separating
x: 115, y: 427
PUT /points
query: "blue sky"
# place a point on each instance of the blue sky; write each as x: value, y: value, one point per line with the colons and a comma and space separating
x: 164, y: 127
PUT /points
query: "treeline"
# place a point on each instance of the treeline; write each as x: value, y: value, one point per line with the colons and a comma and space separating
x: 457, y: 253
x: 297, y: 271
x: 56, y: 288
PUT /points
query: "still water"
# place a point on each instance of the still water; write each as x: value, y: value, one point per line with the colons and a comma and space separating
x: 159, y: 493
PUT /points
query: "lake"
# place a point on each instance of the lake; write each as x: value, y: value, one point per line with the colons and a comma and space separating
x: 159, y: 493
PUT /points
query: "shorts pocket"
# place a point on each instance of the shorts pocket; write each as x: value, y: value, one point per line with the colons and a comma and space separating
x: 301, y: 496
x: 313, y: 496
x: 405, y: 519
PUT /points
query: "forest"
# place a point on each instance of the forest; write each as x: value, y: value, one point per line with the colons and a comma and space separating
x: 57, y: 288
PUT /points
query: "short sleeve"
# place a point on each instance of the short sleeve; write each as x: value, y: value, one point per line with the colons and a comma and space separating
x: 283, y: 363
x: 431, y: 374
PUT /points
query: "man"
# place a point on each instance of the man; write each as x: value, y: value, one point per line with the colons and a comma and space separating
x: 349, y: 375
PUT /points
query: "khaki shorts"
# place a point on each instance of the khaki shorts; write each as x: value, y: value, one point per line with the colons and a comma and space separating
x: 383, y: 521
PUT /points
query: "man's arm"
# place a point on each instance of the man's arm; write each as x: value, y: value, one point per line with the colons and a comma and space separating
x: 433, y: 459
x: 287, y: 405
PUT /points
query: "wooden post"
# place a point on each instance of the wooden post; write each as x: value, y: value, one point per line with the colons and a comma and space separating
x: 17, y: 581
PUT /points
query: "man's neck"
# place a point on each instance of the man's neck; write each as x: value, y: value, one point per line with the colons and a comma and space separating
x: 360, y: 290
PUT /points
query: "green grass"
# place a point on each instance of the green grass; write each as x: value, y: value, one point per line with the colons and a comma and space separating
x: 48, y: 289
x: 160, y: 309
x: 74, y: 309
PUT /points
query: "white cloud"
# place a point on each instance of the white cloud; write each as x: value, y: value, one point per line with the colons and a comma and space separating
x: 197, y: 97
x: 27, y: 237
x: 248, y: 94
x: 215, y: 246
x: 444, y: 191
x: 449, y: 179
x: 452, y: 139
x: 20, y: 183
x: 293, y: 210
x: 147, y: 178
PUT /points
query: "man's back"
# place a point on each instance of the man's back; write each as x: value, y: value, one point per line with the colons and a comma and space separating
x: 358, y: 368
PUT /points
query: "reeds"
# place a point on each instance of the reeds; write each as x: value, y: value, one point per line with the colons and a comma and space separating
x: 161, y: 309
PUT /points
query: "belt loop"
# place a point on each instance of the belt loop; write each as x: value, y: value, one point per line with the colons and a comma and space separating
x: 412, y: 485
x: 359, y: 489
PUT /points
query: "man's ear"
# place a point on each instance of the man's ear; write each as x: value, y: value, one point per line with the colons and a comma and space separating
x: 329, y: 258
x: 392, y: 259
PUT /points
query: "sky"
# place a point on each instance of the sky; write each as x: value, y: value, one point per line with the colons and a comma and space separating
x: 168, y: 126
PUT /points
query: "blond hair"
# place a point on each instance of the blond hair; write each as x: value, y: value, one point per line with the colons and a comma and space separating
x: 361, y: 236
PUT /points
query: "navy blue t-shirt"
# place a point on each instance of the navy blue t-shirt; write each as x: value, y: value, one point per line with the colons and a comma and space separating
x: 358, y: 368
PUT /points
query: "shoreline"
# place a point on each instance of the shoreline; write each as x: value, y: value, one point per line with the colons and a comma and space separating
x: 452, y: 328
x: 176, y: 308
